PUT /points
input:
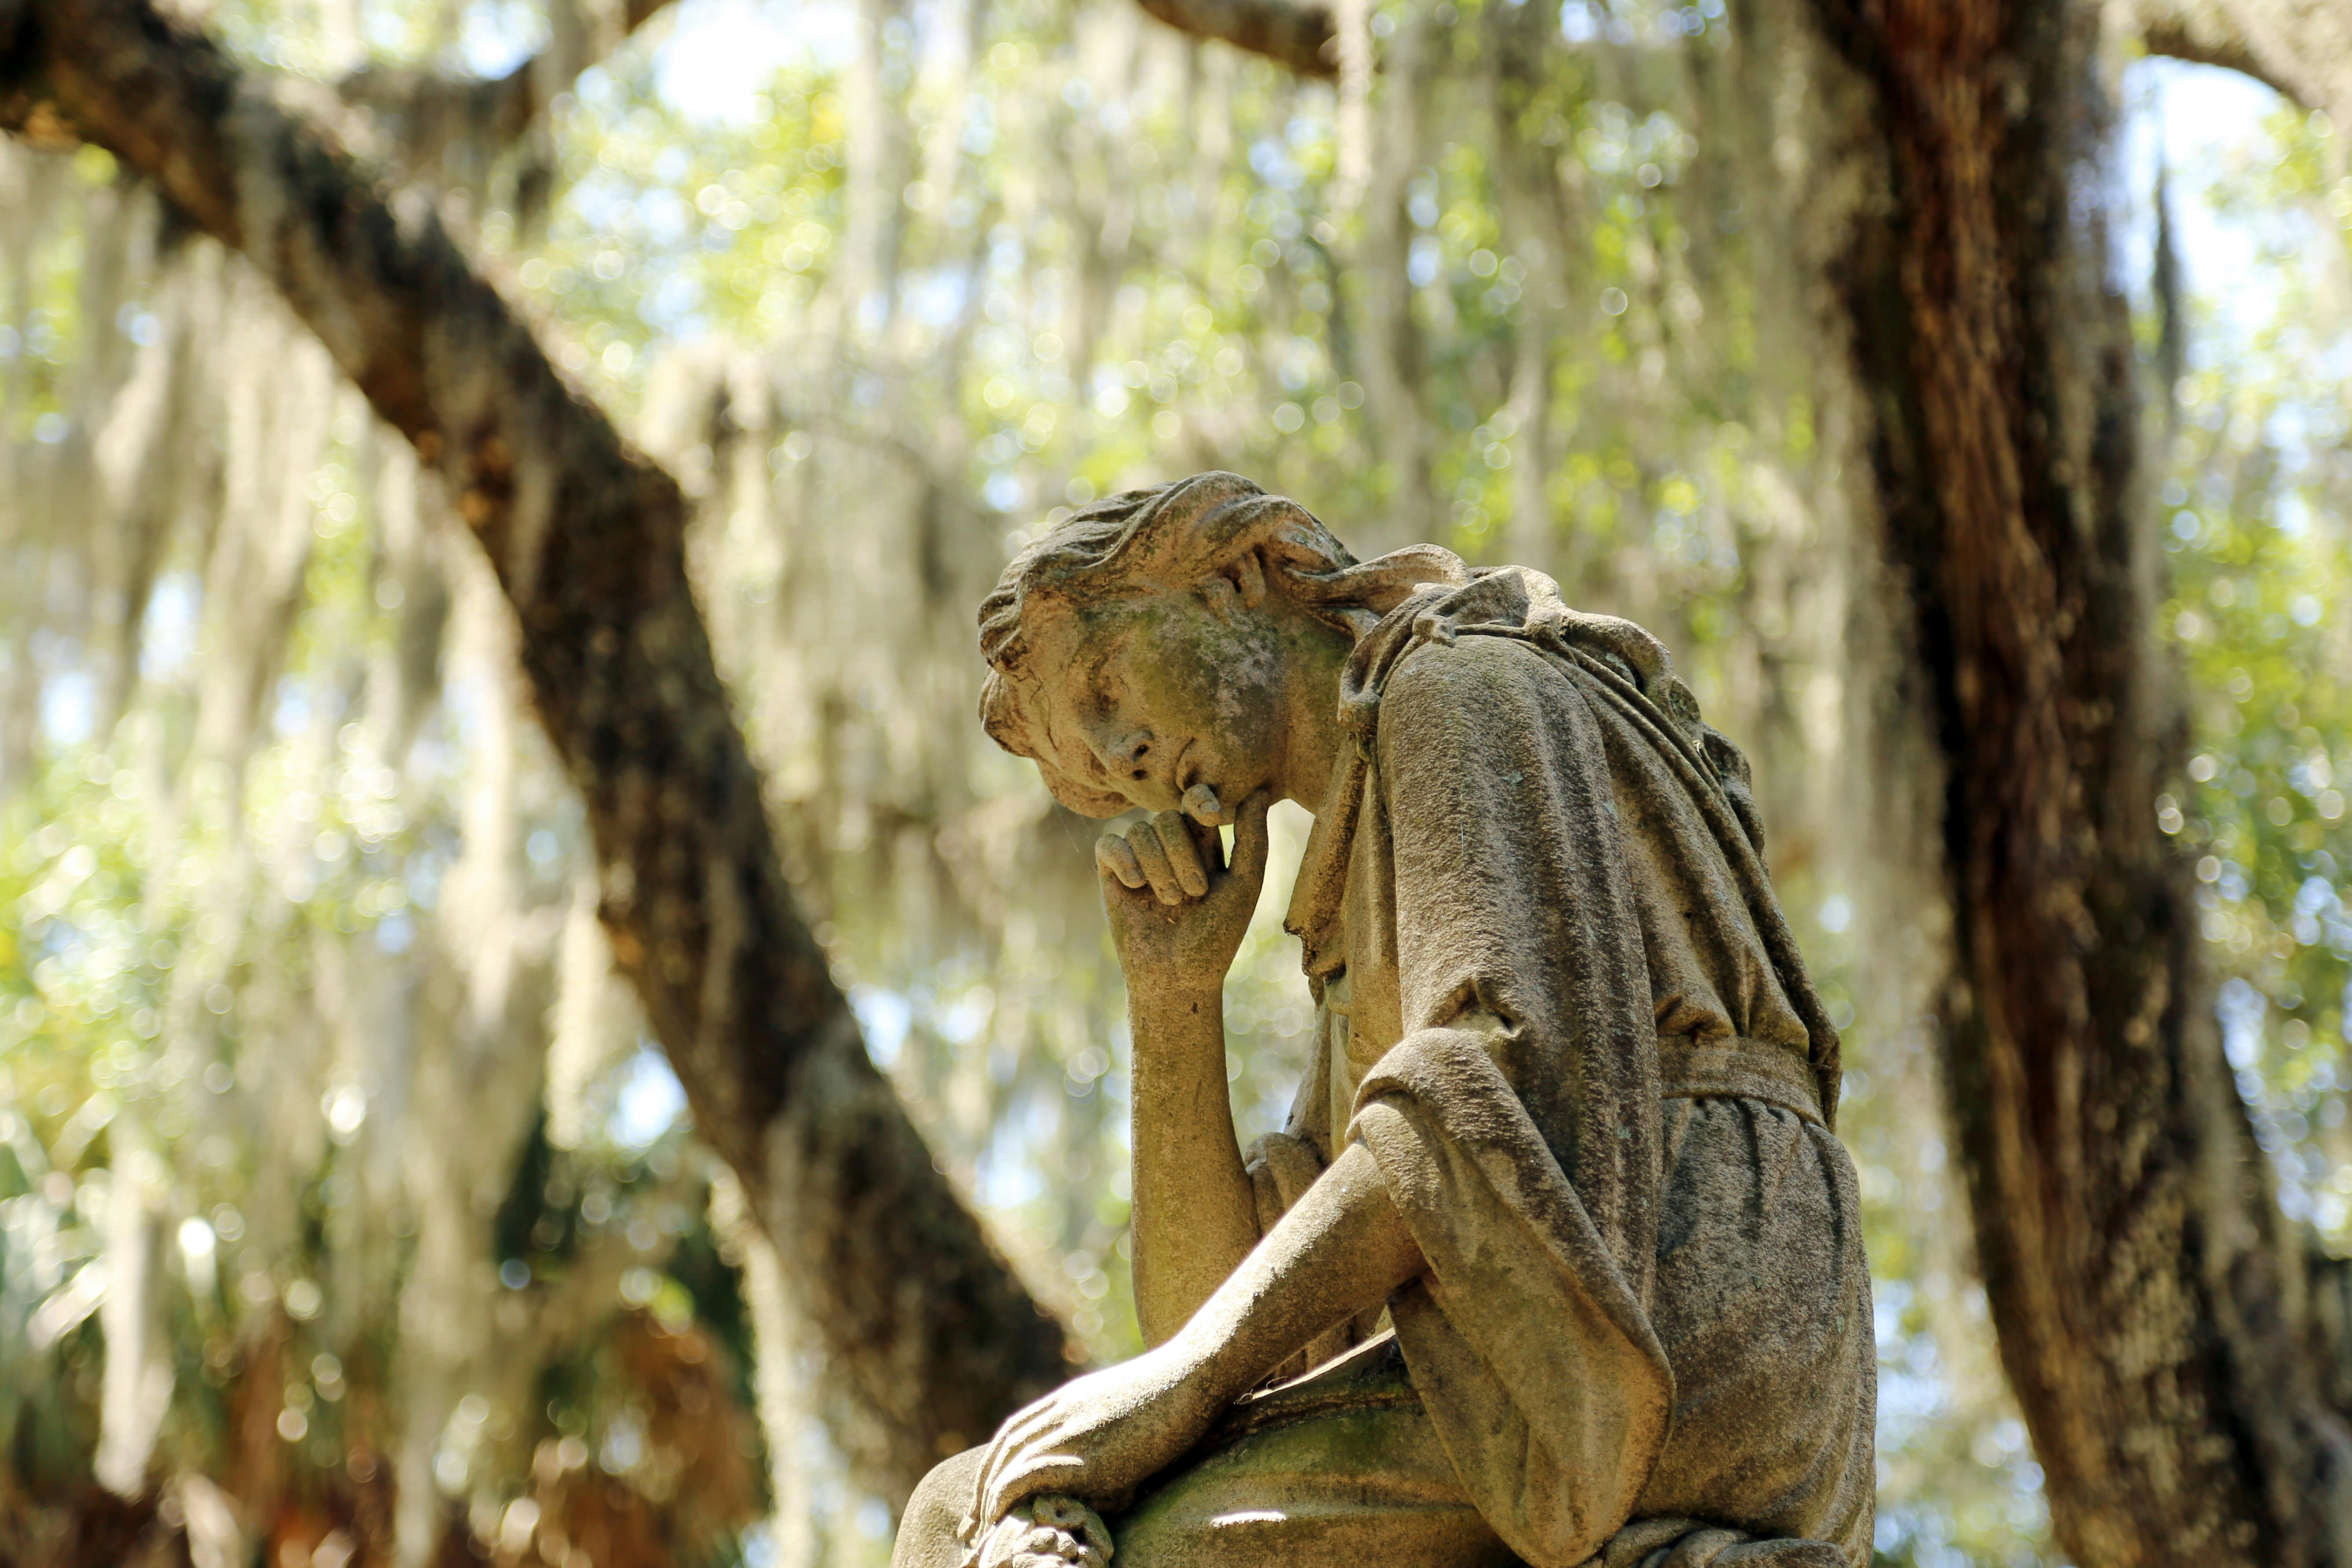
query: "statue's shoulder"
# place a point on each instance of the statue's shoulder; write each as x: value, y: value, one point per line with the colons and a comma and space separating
x: 1473, y: 682
x: 1475, y: 657
x: 1499, y: 645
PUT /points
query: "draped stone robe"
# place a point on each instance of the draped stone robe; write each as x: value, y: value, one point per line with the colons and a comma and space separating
x: 1557, y: 1002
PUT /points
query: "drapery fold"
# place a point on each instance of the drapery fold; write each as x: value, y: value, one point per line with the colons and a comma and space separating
x: 1537, y: 884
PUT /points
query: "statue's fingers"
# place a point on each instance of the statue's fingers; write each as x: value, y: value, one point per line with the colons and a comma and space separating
x: 997, y: 1545
x: 1001, y: 1449
x: 1251, y: 838
x: 1021, y: 1430
x: 985, y: 1505
x: 1113, y: 858
x: 1202, y: 805
x: 1042, y: 1472
x: 1210, y: 845
x: 984, y: 1513
x: 976, y: 1523
x: 977, y: 1519
x: 1016, y: 1448
x: 1011, y: 1438
x: 1176, y: 836
x: 1152, y: 855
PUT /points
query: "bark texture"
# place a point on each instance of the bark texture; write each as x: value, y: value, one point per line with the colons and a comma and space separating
x: 2152, y: 1306
x: 1300, y: 37
x: 927, y: 1337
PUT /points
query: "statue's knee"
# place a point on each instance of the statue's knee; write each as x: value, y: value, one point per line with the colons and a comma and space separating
x: 926, y: 1531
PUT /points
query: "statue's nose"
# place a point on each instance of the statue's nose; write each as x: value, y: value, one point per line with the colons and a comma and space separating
x: 1126, y: 754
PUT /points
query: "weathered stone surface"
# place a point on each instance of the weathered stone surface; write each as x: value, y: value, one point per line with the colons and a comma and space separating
x: 1559, y: 1257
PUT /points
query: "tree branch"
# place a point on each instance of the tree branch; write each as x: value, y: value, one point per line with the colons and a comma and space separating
x: 1300, y: 37
x: 433, y: 110
x: 2301, y: 49
x: 2196, y: 37
x: 928, y: 1337
x: 2153, y: 1317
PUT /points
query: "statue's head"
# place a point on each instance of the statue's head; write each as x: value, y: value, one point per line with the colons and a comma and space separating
x: 1149, y: 643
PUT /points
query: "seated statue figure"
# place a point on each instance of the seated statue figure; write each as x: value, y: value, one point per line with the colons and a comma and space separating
x: 1559, y: 1259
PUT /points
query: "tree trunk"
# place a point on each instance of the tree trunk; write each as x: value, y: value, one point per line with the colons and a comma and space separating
x: 2180, y: 1355
x: 928, y: 1339
x: 2151, y: 1305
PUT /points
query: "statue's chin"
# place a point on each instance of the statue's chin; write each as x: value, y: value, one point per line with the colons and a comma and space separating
x: 1046, y: 1532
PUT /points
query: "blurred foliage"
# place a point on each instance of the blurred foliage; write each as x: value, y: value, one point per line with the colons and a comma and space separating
x: 138, y: 1042
x: 2255, y: 506
x: 1061, y: 253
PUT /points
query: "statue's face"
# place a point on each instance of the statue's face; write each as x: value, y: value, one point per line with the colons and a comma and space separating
x: 1148, y: 696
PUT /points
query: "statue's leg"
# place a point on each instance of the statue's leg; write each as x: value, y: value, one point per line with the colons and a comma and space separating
x: 1342, y: 1471
x: 926, y: 1531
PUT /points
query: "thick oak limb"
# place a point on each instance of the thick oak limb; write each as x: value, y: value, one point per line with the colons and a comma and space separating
x: 927, y: 1336
x: 2301, y: 49
x: 431, y: 110
x: 2154, y: 1314
x: 1300, y: 37
x: 2204, y: 36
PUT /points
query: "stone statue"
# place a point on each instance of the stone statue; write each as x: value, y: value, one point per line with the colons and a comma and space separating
x: 1559, y: 1259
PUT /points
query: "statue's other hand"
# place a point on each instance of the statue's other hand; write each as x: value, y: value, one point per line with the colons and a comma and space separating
x: 1097, y: 1439
x: 1177, y: 911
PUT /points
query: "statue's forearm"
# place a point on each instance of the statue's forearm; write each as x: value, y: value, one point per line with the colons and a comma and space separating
x: 1195, y: 1218
x: 1341, y: 1248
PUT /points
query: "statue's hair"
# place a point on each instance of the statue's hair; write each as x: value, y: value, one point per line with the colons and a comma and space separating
x: 1168, y: 538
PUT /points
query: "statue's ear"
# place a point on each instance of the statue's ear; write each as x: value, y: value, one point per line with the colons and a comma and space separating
x: 1240, y: 581
x: 1247, y: 574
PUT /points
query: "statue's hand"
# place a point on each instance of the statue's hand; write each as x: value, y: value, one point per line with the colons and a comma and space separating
x: 1046, y: 1532
x: 1177, y: 915
x: 1097, y: 1439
